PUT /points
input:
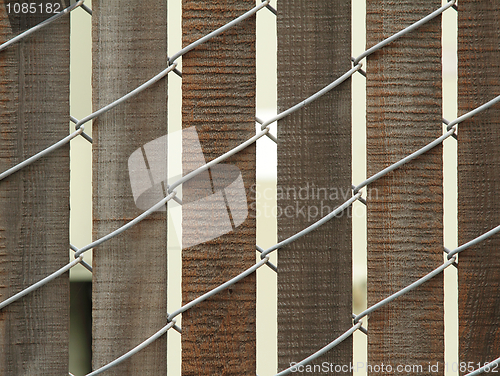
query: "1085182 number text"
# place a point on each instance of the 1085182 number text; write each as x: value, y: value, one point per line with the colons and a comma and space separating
x: 32, y: 8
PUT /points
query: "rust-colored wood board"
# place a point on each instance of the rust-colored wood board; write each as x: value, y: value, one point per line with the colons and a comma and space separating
x: 34, y: 202
x: 405, y: 208
x: 129, y: 292
x: 314, y: 177
x: 218, y: 88
x: 478, y: 181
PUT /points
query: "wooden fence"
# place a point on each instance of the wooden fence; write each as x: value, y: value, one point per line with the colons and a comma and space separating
x: 404, y: 207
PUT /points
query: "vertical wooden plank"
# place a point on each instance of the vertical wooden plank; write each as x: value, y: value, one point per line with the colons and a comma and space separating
x: 219, y: 102
x: 34, y: 202
x: 405, y: 208
x: 314, y: 177
x: 129, y: 294
x: 478, y: 181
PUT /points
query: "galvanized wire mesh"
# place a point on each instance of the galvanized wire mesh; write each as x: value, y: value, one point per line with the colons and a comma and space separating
x: 265, y: 131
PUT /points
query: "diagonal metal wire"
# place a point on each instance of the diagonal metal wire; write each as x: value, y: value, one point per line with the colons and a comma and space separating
x: 313, y: 97
x: 399, y: 34
x: 42, y: 24
x: 220, y: 30
x: 490, y: 367
x: 312, y: 227
x: 473, y: 242
x: 126, y: 226
x: 451, y: 128
x: 135, y: 350
x: 40, y: 283
x: 317, y: 354
x: 407, y: 289
x: 127, y: 96
x: 41, y: 154
x: 218, y: 289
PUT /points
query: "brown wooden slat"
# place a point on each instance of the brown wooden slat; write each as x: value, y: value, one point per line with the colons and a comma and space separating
x: 34, y: 202
x: 314, y: 177
x: 129, y: 294
x: 478, y: 182
x: 218, y: 88
x: 405, y: 208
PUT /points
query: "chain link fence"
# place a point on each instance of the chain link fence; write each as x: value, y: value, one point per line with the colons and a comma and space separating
x: 357, y: 189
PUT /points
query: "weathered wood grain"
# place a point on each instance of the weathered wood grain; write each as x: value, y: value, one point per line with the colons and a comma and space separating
x: 34, y: 202
x: 129, y: 295
x: 218, y: 88
x: 405, y: 208
x: 478, y: 181
x: 314, y: 177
